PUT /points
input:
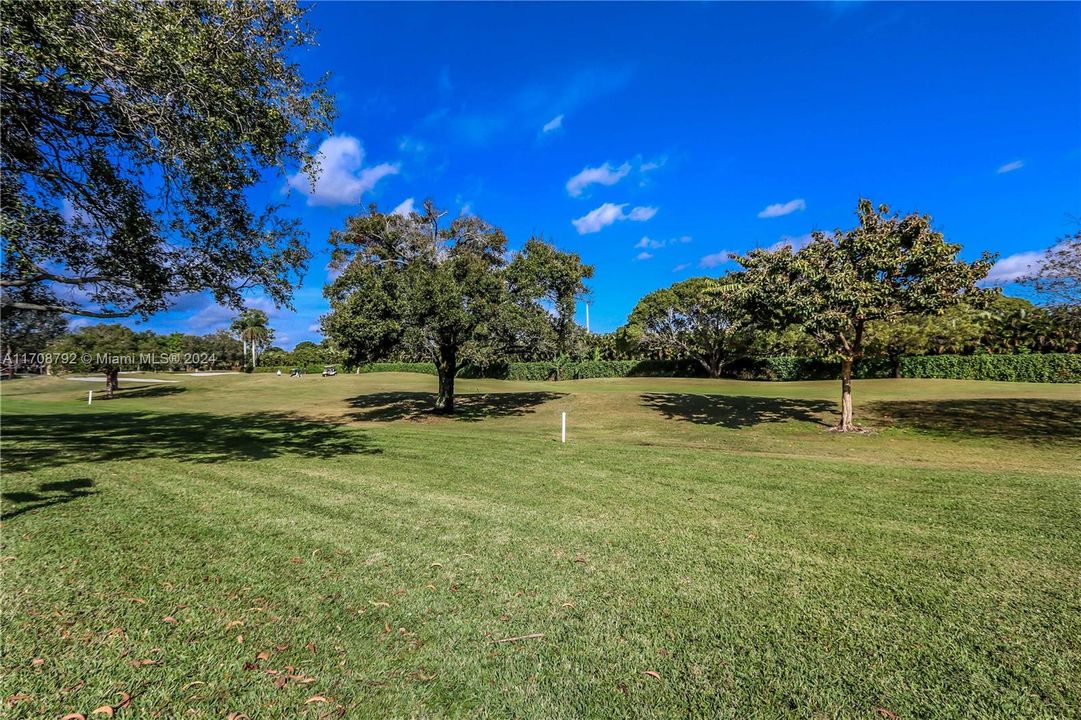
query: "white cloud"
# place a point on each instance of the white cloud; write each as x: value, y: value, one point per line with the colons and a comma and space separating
x: 652, y: 165
x: 608, y: 213
x: 779, y: 209
x: 681, y: 266
x: 641, y: 214
x: 554, y: 124
x: 1012, y: 267
x: 795, y: 242
x: 1011, y: 166
x: 719, y: 258
x: 647, y: 242
x: 603, y: 175
x: 315, y: 328
x: 342, y: 178
x: 643, y: 255
x: 404, y: 208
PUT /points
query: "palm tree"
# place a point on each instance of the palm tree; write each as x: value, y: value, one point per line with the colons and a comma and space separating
x: 251, y: 327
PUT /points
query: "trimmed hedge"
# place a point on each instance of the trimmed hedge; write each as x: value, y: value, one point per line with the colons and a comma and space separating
x: 1012, y: 368
x: 1048, y: 367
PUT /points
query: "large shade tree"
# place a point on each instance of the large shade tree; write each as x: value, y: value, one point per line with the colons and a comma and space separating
x: 131, y: 135
x: 414, y: 284
x: 557, y: 278
x: 700, y: 318
x: 100, y: 348
x: 888, y: 266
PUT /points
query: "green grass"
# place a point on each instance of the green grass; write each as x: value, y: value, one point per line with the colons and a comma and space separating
x: 332, y: 534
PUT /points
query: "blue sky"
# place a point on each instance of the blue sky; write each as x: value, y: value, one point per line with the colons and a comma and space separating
x: 653, y: 139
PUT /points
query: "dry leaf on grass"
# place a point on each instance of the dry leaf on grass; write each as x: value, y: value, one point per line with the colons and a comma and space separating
x: 74, y: 716
x: 886, y: 713
x: 37, y: 662
x: 106, y: 710
x: 169, y: 619
x: 316, y: 698
x: 144, y: 662
x: 16, y: 698
x: 652, y: 674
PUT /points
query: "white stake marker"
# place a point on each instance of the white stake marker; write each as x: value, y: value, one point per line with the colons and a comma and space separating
x: 564, y: 427
x: 90, y: 398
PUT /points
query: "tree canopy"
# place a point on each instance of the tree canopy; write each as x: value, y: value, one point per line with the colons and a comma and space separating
x: 887, y: 267
x: 415, y: 284
x: 698, y: 318
x: 131, y: 135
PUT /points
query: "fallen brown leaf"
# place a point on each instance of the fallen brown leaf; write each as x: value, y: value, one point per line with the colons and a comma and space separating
x: 316, y: 698
x: 886, y: 713
x: 125, y: 700
x: 16, y: 698
x: 106, y: 710
x: 239, y: 639
x: 140, y: 601
x: 74, y: 716
x: 169, y: 619
x: 37, y: 662
x: 264, y: 655
x: 310, y: 647
x: 143, y: 663
x: 233, y: 623
x: 652, y: 674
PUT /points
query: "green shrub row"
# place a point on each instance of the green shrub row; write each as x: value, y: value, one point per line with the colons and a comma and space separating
x: 286, y: 369
x: 1013, y: 368
x: 1048, y: 367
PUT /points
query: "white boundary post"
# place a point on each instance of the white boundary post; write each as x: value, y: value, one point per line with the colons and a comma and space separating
x: 564, y: 427
x: 90, y: 398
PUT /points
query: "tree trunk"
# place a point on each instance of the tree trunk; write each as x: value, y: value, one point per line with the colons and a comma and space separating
x: 447, y: 366
x: 112, y: 381
x: 846, y: 397
x: 895, y: 365
x: 253, y: 354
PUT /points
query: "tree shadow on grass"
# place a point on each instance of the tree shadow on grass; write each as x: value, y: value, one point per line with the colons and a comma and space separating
x: 149, y: 391
x: 1015, y: 418
x: 38, y: 441
x: 474, y: 407
x: 50, y: 493
x: 737, y: 411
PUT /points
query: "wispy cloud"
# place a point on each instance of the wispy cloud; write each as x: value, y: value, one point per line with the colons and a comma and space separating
x: 795, y: 242
x: 342, y: 178
x: 603, y: 175
x: 681, y: 267
x: 651, y: 165
x: 643, y: 255
x: 609, y: 213
x: 1011, y: 166
x: 648, y: 242
x: 780, y: 209
x: 718, y: 258
x: 552, y: 125
x: 527, y: 109
x: 404, y: 208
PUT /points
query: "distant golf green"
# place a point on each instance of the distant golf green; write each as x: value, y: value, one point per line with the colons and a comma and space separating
x: 324, y: 547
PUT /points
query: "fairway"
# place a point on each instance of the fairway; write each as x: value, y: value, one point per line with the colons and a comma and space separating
x: 325, y: 547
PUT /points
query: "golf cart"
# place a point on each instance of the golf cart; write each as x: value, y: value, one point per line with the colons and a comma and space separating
x: 296, y: 372
x: 330, y: 371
